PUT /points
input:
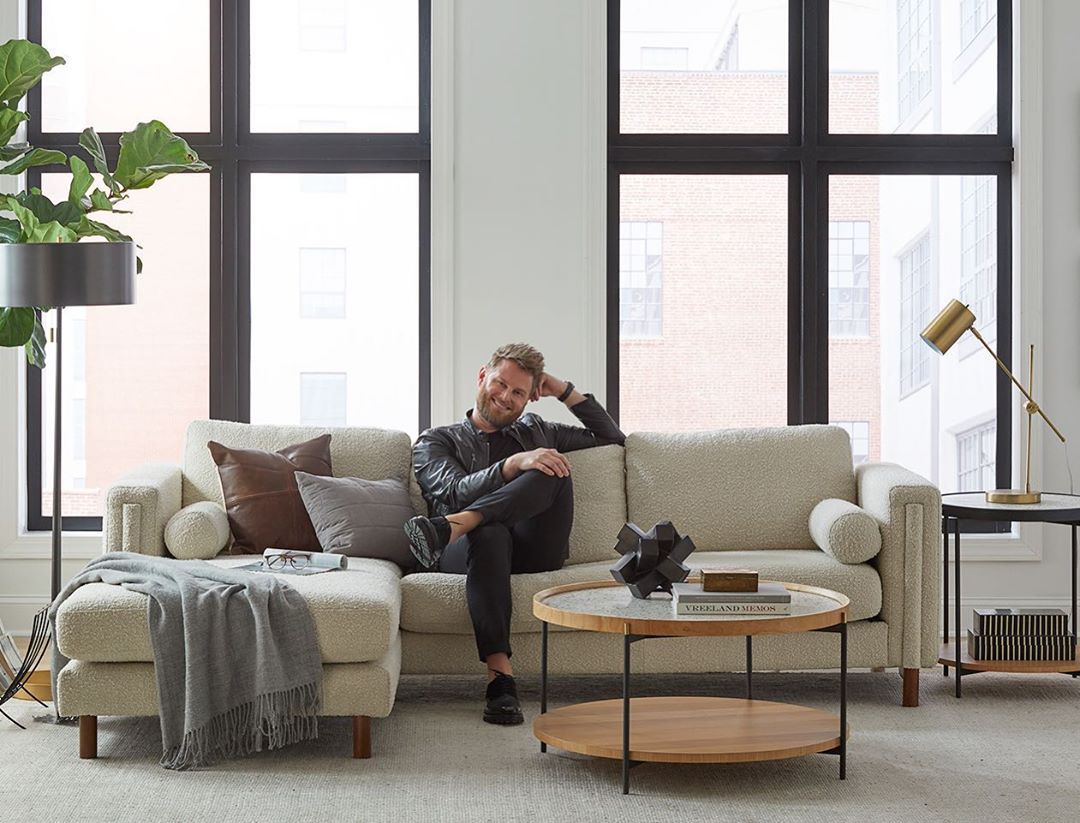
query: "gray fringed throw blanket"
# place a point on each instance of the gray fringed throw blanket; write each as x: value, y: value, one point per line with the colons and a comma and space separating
x: 235, y: 655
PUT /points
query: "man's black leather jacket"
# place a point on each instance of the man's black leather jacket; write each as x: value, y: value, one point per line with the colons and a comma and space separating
x: 451, y: 462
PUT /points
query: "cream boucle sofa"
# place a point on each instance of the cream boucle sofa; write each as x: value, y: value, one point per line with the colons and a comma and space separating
x: 744, y: 496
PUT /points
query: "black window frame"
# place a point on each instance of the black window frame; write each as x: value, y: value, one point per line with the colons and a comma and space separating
x: 808, y: 154
x: 234, y: 154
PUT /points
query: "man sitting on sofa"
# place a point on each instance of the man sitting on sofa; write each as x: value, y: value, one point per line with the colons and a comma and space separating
x: 499, y: 487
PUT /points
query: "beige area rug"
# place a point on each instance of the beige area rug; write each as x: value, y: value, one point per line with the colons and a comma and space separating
x: 1009, y: 750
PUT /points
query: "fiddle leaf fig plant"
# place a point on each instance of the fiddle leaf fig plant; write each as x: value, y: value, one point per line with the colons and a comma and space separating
x: 148, y: 153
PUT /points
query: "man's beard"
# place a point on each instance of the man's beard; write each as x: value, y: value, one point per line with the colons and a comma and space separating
x: 494, y: 415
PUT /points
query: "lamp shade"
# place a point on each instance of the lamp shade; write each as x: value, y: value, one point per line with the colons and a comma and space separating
x: 67, y: 274
x: 945, y: 329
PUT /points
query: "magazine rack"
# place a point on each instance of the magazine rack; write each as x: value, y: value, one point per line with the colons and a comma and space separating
x: 21, y: 669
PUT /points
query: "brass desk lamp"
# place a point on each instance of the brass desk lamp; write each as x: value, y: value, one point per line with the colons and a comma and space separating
x: 946, y: 329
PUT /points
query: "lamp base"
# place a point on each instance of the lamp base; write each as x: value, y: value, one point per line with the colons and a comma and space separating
x: 1013, y: 496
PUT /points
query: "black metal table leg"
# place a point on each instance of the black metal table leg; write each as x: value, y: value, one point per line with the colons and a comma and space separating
x: 749, y: 667
x: 543, y: 672
x: 626, y: 713
x: 956, y: 587
x: 945, y: 583
x: 1073, y: 624
x: 843, y: 701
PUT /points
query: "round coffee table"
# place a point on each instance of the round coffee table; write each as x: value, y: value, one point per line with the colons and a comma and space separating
x: 688, y: 729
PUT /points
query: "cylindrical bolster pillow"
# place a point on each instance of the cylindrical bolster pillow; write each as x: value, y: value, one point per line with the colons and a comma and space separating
x: 845, y: 531
x: 197, y: 532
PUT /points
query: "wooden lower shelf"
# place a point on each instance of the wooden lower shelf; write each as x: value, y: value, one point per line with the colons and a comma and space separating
x: 947, y: 657
x: 691, y: 729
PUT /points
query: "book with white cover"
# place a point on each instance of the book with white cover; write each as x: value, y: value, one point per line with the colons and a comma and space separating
x: 768, y: 592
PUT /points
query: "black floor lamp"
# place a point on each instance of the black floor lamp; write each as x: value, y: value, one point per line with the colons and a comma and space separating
x: 60, y: 275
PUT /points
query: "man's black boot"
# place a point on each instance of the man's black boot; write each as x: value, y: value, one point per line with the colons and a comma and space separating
x: 427, y: 539
x: 502, y: 706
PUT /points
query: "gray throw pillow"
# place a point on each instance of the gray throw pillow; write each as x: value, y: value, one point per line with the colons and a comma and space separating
x: 359, y: 518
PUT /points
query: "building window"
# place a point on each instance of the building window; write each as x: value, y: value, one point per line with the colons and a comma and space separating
x: 976, y: 459
x: 323, y: 398
x: 665, y: 59
x: 913, y: 54
x: 322, y: 283
x: 641, y: 273
x: 915, y: 313
x: 323, y: 25
x: 849, y: 279
x: 974, y: 15
x: 859, y: 432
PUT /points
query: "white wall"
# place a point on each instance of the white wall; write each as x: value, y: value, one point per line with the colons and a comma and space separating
x: 523, y: 249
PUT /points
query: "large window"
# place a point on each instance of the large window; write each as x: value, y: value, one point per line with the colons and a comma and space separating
x: 273, y: 284
x: 916, y: 310
x: 641, y: 273
x: 849, y: 278
x: 975, y: 458
x: 914, y: 60
x: 819, y: 195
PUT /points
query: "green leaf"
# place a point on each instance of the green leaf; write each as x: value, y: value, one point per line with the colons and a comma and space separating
x: 138, y: 264
x: 81, y: 179
x: 35, y: 346
x: 100, y: 201
x: 14, y: 150
x: 91, y: 143
x: 34, y: 157
x: 21, y: 65
x: 36, y: 231
x: 9, y: 230
x: 45, y: 210
x: 16, y: 326
x: 52, y: 232
x: 92, y: 228
x: 151, y: 152
x: 10, y: 119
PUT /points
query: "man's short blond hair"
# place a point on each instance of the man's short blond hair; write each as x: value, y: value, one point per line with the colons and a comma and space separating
x: 523, y: 356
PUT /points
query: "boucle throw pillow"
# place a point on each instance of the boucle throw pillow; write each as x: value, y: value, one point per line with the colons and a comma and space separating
x: 358, y: 517
x: 845, y: 531
x: 197, y: 532
x: 259, y: 487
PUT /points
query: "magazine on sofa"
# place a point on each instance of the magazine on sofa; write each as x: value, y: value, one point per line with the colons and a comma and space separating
x: 293, y: 561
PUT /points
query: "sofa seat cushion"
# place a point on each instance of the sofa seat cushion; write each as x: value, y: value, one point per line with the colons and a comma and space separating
x: 356, y: 615
x: 435, y: 602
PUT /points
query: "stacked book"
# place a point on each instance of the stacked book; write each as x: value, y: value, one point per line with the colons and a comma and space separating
x: 1021, y: 634
x: 767, y: 598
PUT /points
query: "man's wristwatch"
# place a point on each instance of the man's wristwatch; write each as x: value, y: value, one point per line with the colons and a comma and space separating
x: 566, y: 392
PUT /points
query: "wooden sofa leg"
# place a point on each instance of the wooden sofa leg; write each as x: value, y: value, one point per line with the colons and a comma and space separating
x: 911, y: 687
x: 361, y: 736
x: 87, y: 736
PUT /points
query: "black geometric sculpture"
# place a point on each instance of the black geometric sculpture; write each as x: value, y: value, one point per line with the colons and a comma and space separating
x: 651, y: 561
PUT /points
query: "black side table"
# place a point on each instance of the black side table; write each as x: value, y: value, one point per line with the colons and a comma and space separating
x: 1054, y: 508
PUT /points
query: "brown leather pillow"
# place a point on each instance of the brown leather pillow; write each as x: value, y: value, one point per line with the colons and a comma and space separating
x: 264, y: 506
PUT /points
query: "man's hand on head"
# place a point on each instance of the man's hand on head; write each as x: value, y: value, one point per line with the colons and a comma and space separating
x: 548, y: 386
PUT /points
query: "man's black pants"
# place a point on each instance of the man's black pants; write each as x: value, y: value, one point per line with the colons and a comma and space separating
x: 526, y: 528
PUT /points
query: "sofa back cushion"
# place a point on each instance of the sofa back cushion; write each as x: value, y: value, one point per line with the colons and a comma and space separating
x: 373, y: 454
x: 738, y: 488
x: 599, y: 503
